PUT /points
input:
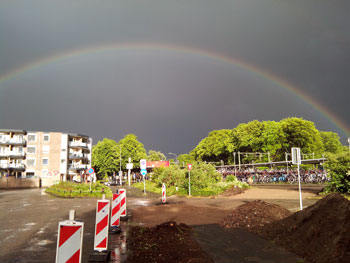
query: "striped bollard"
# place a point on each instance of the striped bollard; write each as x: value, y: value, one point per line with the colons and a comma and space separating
x: 163, y: 194
x: 115, y: 217
x: 69, y: 240
x: 101, y: 226
x: 122, y: 193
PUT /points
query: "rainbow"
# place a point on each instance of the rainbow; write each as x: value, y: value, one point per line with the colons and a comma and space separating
x: 186, y: 50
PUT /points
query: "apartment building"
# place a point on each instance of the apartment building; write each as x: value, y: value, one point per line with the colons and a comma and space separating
x: 26, y: 154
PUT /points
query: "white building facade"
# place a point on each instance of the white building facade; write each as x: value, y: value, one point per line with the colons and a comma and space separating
x: 26, y: 154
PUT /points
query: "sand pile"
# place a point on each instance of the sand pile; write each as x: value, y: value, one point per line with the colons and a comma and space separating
x: 319, y: 233
x: 254, y: 215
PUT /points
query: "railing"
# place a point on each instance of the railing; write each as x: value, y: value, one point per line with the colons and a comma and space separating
x: 13, y: 141
x: 77, y: 144
x: 12, y: 153
x: 76, y: 167
x: 11, y: 165
x: 81, y: 155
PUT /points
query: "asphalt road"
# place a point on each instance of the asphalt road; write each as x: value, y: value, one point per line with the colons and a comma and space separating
x: 29, y: 222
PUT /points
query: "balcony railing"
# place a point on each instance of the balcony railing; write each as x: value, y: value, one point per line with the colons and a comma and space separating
x: 12, y: 166
x: 13, y: 141
x: 78, y: 167
x: 78, y: 144
x: 78, y: 156
x: 12, y: 154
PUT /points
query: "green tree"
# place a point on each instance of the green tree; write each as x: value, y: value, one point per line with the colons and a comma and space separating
x: 131, y: 147
x: 338, y: 167
x: 301, y: 133
x: 215, y: 147
x: 247, y: 137
x: 105, y: 158
x: 272, y: 139
x: 155, y: 156
x: 331, y: 142
x: 185, y: 159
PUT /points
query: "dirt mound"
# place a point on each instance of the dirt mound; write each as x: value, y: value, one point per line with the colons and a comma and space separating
x: 254, y: 215
x: 319, y: 233
x: 167, y: 242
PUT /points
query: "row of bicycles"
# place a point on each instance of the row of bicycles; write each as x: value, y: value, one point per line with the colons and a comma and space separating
x: 270, y: 176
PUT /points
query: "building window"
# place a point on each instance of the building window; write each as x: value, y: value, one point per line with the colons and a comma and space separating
x: 29, y: 175
x: 46, y: 149
x: 46, y: 137
x: 31, y: 149
x: 45, y: 161
x: 30, y: 162
x: 31, y: 137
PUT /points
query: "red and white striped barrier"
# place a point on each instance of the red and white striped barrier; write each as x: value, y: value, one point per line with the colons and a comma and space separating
x: 115, y: 217
x: 163, y: 194
x: 101, y: 226
x: 122, y: 193
x: 69, y: 241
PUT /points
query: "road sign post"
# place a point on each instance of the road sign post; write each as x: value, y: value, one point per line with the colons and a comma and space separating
x: 296, y: 159
x: 143, y: 167
x: 91, y: 171
x: 144, y: 172
x: 189, y: 166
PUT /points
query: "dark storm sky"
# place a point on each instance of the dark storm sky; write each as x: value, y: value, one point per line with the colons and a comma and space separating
x: 171, y: 99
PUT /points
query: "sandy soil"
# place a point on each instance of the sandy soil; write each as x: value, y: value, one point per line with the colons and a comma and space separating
x: 197, y: 211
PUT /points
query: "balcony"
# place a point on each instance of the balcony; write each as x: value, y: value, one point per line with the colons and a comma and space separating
x: 12, y: 155
x: 74, y: 144
x: 76, y: 167
x: 13, y: 141
x: 78, y: 156
x: 13, y: 166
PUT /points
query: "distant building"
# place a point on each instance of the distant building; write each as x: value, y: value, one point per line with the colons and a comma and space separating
x: 26, y: 154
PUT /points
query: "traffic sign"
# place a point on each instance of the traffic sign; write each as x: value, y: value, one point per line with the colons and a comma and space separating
x: 189, y: 166
x: 143, y: 164
x: 91, y: 170
x: 296, y: 158
x: 143, y: 172
x: 129, y: 166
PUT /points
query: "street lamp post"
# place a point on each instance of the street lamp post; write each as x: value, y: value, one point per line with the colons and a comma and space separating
x: 349, y: 143
x: 175, y: 156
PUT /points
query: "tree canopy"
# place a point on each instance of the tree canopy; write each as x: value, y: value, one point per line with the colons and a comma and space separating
x: 303, y: 134
x: 155, y: 156
x: 105, y: 158
x: 215, y: 147
x: 131, y: 147
x: 331, y: 142
x: 277, y: 138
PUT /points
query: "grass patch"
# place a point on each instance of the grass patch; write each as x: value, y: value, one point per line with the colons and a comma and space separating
x: 70, y: 189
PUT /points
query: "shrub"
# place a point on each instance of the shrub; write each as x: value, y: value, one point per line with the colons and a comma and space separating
x: 70, y: 189
x: 338, y: 167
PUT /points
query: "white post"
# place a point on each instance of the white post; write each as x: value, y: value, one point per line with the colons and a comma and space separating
x: 239, y: 161
x: 129, y: 172
x: 71, y: 215
x: 189, y: 183
x: 144, y: 184
x: 301, y: 200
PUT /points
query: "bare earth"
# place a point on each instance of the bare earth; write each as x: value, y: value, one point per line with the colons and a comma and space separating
x: 199, y: 211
